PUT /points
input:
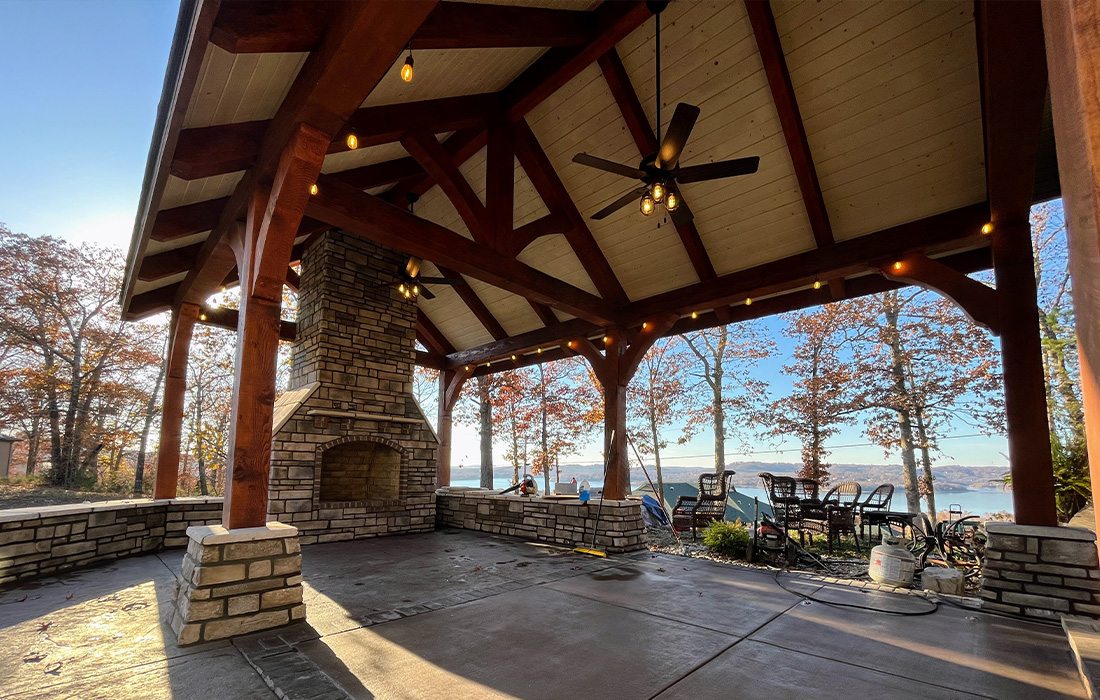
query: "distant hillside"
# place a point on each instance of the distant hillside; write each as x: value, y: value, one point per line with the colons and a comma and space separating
x: 949, y: 478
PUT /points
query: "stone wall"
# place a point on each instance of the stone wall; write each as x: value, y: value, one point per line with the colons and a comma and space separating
x: 1041, y: 572
x: 565, y: 522
x: 49, y: 539
x: 351, y: 384
x: 234, y: 582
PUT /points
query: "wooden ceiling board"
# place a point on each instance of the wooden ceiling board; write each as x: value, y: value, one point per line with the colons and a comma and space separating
x: 512, y: 311
x: 451, y: 315
x: 451, y: 72
x: 241, y: 87
x: 178, y: 192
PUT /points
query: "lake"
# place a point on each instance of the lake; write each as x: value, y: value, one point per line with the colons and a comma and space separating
x: 972, y: 502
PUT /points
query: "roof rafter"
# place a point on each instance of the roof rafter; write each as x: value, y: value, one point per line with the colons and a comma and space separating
x: 476, y: 305
x: 298, y: 25
x: 614, y: 72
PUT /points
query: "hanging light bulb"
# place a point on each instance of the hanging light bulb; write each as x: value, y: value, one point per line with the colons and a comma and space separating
x: 658, y: 191
x: 407, y: 69
x: 672, y: 201
x: 514, y: 358
x: 416, y: 290
x: 313, y: 189
x: 647, y: 205
x: 748, y: 301
x: 987, y: 229
x: 695, y: 314
x: 817, y: 284
x: 352, y: 141
x: 202, y: 317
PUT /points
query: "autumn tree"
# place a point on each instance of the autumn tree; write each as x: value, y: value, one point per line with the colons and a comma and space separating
x: 728, y: 356
x: 555, y: 414
x: 475, y: 408
x: 824, y: 395
x: 512, y: 417
x: 658, y: 398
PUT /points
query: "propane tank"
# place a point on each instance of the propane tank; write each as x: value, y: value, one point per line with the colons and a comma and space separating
x: 891, y: 564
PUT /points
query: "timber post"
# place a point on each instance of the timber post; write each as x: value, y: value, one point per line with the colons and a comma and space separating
x: 451, y: 382
x: 175, y: 385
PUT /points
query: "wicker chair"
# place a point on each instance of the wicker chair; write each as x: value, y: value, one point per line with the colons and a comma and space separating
x: 708, y: 506
x: 840, y: 511
x: 783, y: 492
x: 873, y: 509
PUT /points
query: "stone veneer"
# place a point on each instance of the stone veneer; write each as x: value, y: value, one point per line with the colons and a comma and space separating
x: 351, y: 385
x: 234, y: 582
x: 50, y: 539
x: 1041, y: 572
x: 565, y: 522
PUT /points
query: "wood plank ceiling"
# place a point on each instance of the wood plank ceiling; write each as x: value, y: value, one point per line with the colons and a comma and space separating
x: 867, y: 118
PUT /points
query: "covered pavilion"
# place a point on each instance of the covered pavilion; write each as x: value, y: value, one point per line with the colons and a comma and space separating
x: 900, y: 143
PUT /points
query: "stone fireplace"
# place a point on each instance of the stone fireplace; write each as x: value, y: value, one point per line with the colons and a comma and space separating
x: 352, y: 454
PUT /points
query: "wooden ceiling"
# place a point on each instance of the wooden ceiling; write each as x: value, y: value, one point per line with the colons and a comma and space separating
x: 869, y: 118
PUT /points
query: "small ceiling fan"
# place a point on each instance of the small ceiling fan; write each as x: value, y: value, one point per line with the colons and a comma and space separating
x: 409, y: 282
x: 660, y: 172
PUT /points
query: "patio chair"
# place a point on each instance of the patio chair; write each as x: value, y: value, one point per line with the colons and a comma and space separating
x: 708, y: 506
x: 783, y: 493
x: 872, y: 511
x: 840, y: 512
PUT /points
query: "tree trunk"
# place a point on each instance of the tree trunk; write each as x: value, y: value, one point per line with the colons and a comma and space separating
x: 485, y: 414
x: 150, y: 413
x: 901, y: 405
x: 1054, y: 349
x: 33, y: 438
x: 926, y: 461
x: 656, y: 454
x: 199, y: 447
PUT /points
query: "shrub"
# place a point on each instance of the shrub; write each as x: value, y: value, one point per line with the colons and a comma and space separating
x: 727, y: 539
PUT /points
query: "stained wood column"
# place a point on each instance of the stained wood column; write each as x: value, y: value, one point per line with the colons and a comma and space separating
x: 175, y: 385
x: 1072, y: 34
x: 262, y: 246
x: 614, y: 367
x: 1025, y: 389
x: 451, y: 382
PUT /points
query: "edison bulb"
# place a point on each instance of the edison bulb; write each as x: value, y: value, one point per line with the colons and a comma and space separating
x: 817, y: 284
x: 672, y: 201
x: 352, y: 141
x: 647, y: 205
x: 407, y: 70
x: 313, y: 189
x: 658, y: 192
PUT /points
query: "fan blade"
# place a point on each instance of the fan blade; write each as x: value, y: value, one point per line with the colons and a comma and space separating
x: 412, y: 267
x: 679, y: 129
x: 715, y: 171
x: 608, y: 166
x: 619, y: 203
x: 426, y: 293
x: 441, y: 280
x: 682, y: 214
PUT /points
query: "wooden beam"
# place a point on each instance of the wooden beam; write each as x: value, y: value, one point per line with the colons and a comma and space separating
x: 357, y: 50
x: 378, y: 174
x: 245, y: 26
x: 430, y: 359
x: 544, y: 312
x: 978, y: 301
x: 1012, y: 67
x: 226, y: 148
x: 442, y: 168
x: 553, y: 193
x: 476, y: 305
x: 368, y: 216
x: 532, y: 340
x: 180, y: 222
x: 525, y: 235
x: 168, y: 263
x: 794, y: 131
x: 152, y: 302
x: 430, y: 336
x: 637, y: 123
x: 229, y: 319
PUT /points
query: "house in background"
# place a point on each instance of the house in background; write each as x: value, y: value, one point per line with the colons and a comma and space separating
x: 738, y: 505
x: 7, y: 444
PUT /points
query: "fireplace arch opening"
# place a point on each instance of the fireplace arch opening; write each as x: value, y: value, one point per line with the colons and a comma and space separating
x: 360, y: 470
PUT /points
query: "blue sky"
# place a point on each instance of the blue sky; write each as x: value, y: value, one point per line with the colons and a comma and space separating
x: 80, y: 82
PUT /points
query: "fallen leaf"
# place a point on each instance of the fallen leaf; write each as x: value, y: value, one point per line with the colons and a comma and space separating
x: 43, y: 626
x: 69, y: 597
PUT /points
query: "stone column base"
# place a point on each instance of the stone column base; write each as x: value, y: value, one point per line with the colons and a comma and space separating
x: 1041, y: 572
x: 239, y: 581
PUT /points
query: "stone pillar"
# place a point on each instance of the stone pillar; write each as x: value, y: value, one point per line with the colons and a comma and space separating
x: 175, y: 384
x: 236, y: 582
x: 1041, y: 572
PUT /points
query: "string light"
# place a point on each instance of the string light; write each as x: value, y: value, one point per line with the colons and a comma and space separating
x: 539, y: 351
x: 313, y: 189
x: 898, y: 265
x: 645, y: 325
x: 569, y: 344
x: 407, y: 69
x: 514, y: 358
x: 202, y: 317
x: 817, y: 284
x: 987, y: 229
x: 748, y: 301
x: 468, y: 368
x: 695, y: 314
x: 352, y: 141
x: 607, y: 340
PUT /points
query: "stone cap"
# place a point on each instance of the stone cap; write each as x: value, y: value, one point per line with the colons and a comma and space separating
x: 32, y: 512
x: 1047, y: 532
x: 485, y: 494
x: 219, y: 534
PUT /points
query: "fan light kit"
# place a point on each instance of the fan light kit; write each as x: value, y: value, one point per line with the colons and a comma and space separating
x: 410, y: 283
x: 660, y: 172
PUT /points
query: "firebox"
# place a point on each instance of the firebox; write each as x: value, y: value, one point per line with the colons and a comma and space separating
x: 353, y: 455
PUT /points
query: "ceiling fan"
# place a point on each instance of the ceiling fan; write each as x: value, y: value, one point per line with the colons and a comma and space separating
x: 661, y: 172
x: 409, y: 282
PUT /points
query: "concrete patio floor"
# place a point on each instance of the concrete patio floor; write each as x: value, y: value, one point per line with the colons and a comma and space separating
x: 455, y: 614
